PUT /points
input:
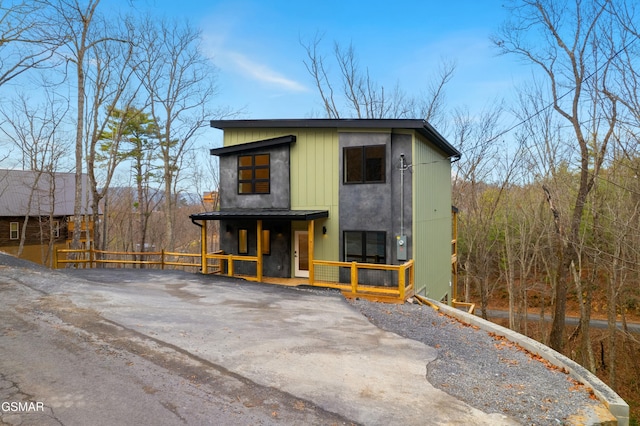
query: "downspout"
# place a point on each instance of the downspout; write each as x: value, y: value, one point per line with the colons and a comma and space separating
x: 401, y: 194
x: 401, y: 240
x: 204, y: 267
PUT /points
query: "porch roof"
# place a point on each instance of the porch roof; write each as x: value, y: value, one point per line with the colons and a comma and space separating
x: 261, y: 214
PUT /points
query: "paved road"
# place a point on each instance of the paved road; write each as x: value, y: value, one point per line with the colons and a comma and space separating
x: 168, y: 348
x: 595, y: 323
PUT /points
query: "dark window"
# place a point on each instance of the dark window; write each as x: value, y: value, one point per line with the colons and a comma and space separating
x: 365, y: 246
x: 254, y: 174
x: 364, y: 164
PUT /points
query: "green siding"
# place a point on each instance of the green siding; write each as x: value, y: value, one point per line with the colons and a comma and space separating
x: 314, y: 177
x: 431, y: 220
x: 314, y: 184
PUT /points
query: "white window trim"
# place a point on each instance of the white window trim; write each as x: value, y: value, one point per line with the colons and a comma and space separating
x: 14, y: 230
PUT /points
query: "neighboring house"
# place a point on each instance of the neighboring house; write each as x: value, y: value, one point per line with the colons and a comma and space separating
x: 363, y: 190
x: 40, y: 204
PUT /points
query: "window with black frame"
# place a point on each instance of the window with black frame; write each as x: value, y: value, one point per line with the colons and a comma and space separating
x: 254, y: 174
x: 364, y: 164
x: 365, y: 246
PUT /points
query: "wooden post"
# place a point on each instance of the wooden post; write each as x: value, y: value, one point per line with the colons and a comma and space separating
x: 230, y: 265
x: 204, y: 267
x: 311, y: 239
x: 354, y: 278
x: 412, y: 275
x: 162, y: 259
x: 259, y: 251
x: 402, y: 272
x: 55, y: 258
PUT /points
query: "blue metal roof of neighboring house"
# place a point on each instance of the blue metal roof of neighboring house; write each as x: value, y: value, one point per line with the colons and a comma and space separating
x: 421, y: 126
x: 18, y: 187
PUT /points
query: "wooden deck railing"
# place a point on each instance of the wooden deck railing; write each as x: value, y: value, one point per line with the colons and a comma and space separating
x: 390, y: 283
x: 222, y: 257
x: 89, y: 258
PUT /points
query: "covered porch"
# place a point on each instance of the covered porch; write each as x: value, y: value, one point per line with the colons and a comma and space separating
x: 262, y: 243
x: 278, y: 247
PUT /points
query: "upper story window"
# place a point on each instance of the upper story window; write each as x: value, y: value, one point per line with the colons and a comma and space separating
x: 364, y: 164
x: 14, y: 230
x: 254, y: 174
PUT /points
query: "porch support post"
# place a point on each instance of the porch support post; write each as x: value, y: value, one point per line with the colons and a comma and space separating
x: 259, y: 252
x: 203, y: 248
x: 311, y: 240
x: 402, y: 273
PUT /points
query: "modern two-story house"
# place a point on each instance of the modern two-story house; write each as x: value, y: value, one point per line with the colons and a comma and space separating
x: 374, y: 191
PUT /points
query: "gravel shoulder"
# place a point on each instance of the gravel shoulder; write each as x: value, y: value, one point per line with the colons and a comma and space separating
x: 487, y: 372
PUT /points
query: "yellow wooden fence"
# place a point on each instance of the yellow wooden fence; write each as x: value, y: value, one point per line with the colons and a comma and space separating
x: 398, y: 286
x: 349, y: 277
x: 89, y: 258
x: 228, y: 260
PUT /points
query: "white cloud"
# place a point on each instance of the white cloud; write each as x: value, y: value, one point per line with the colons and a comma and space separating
x: 261, y: 72
x: 234, y: 62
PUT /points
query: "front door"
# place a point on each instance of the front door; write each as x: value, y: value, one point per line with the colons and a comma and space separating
x: 301, y: 253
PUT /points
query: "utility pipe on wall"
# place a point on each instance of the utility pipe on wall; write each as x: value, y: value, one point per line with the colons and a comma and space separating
x: 402, y: 168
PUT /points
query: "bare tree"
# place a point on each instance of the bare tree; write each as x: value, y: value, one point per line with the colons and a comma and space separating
x: 361, y: 95
x: 24, y: 42
x: 479, y: 185
x: 36, y: 130
x: 73, y: 22
x: 110, y: 85
x: 566, y: 51
x: 180, y: 84
x: 545, y: 156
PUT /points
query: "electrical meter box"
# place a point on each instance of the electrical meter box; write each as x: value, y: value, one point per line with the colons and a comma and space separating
x: 401, y: 247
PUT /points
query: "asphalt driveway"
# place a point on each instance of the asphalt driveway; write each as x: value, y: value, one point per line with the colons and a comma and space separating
x: 159, y: 347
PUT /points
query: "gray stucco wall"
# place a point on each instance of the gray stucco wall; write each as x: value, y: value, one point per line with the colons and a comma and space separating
x: 401, y: 144
x: 376, y: 206
x: 280, y: 186
x: 276, y: 264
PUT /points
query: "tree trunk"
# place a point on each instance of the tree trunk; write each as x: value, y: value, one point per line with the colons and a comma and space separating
x: 584, y: 302
x: 611, y: 318
x: 509, y: 270
x: 168, y: 209
x: 77, y: 203
x: 484, y: 296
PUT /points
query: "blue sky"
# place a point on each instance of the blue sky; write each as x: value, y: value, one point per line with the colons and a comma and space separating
x: 255, y: 45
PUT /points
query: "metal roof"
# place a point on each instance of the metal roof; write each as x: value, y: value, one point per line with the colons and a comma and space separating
x: 233, y: 149
x: 34, y: 193
x: 420, y: 126
x: 261, y: 214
